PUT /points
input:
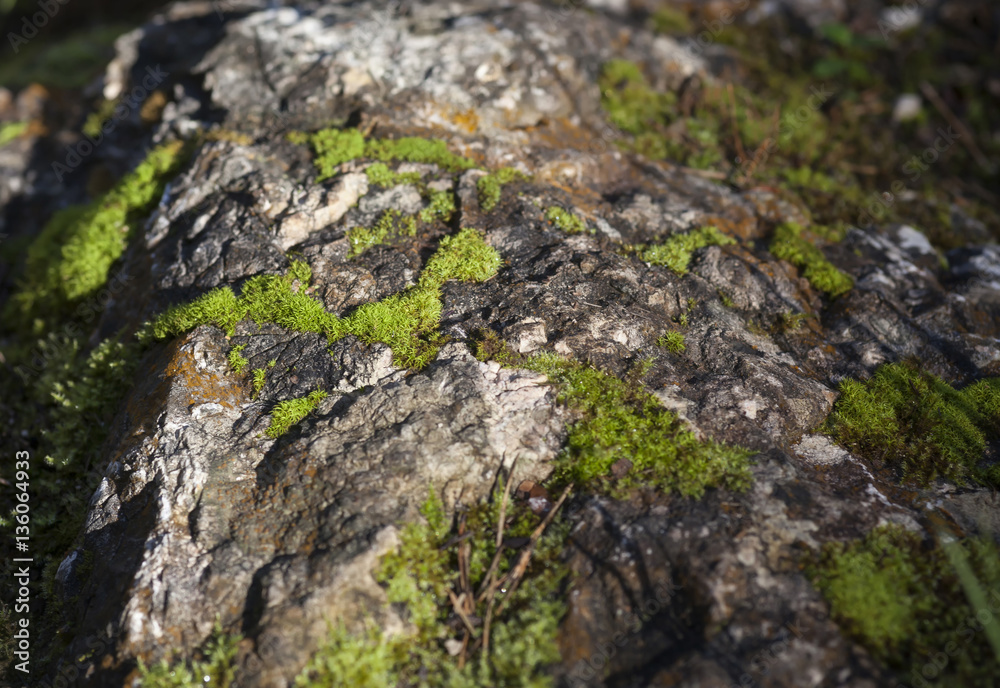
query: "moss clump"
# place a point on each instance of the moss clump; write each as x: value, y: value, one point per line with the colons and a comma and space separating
x: 419, y: 577
x: 914, y: 421
x: 671, y: 20
x: 379, y: 174
x: 789, y: 245
x: 621, y: 422
x: 566, y: 221
x: 675, y: 253
x: 71, y: 257
x: 904, y: 602
x: 631, y: 104
x: 259, y: 380
x: 236, y: 360
x: 334, y: 147
x: 407, y: 321
x: 672, y: 341
x: 363, y: 238
x: 288, y: 413
x: 11, y: 130
x: 441, y: 206
x: 216, y: 667
x: 489, y: 187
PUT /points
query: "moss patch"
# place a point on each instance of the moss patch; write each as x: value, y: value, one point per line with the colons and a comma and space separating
x: 672, y: 341
x: 788, y: 244
x: 623, y: 425
x: 421, y: 577
x: 441, y: 207
x: 904, y: 602
x: 288, y: 413
x: 67, y: 62
x: 489, y: 187
x: 11, y: 130
x: 566, y: 221
x: 363, y: 238
x: 407, y: 322
x: 334, y: 147
x: 214, y: 666
x: 675, y: 253
x: 71, y: 257
x: 379, y: 174
x: 236, y: 360
x: 914, y: 421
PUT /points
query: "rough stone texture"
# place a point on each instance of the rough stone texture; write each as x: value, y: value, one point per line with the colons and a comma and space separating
x: 200, y: 515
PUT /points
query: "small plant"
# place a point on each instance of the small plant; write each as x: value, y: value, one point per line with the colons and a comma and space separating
x: 441, y: 206
x: 288, y: 413
x: 789, y: 245
x: 363, y: 238
x: 914, y: 421
x: 675, y: 253
x: 567, y: 222
x: 379, y: 174
x: 490, y: 185
x: 724, y: 298
x: 236, y: 359
x: 791, y: 322
x: 259, y: 380
x: 672, y: 341
x: 11, y: 130
x: 217, y: 667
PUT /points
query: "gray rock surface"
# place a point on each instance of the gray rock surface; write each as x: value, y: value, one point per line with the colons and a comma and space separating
x: 200, y: 516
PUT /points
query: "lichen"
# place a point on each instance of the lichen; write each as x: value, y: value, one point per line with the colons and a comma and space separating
x: 672, y: 341
x: 489, y: 186
x: 407, y: 321
x: 289, y: 412
x: 788, y: 244
x: 72, y: 256
x: 566, y: 221
x: 905, y: 603
x: 675, y: 253
x: 915, y: 422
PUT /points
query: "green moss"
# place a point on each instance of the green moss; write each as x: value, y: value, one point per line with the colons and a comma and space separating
x: 788, y: 244
x: 675, y: 253
x: 71, y: 257
x: 379, y: 174
x: 631, y: 104
x: 407, y: 321
x: 418, y: 578
x: 92, y: 125
x: 288, y: 413
x: 441, y: 206
x: 567, y: 222
x: 724, y: 298
x: 671, y: 20
x: 621, y: 421
x: 216, y: 666
x: 259, y: 380
x: 236, y: 359
x: 489, y: 186
x: 913, y: 421
x: 334, y: 147
x: 67, y: 62
x: 672, y: 341
x: 363, y: 238
x: 904, y: 602
x: 11, y: 130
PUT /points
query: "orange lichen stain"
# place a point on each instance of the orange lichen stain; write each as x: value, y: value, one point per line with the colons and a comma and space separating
x: 467, y: 120
x: 201, y: 386
x: 744, y: 227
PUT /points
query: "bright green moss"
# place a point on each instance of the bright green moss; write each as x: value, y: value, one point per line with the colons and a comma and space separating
x: 672, y: 341
x: 74, y: 252
x: 622, y: 421
x: 566, y: 221
x: 334, y: 147
x: 904, y: 602
x: 217, y: 668
x: 92, y: 125
x: 407, y: 322
x: 236, y: 359
x: 789, y: 245
x: 418, y: 578
x: 259, y: 380
x: 11, y: 130
x: 916, y: 422
x: 441, y: 206
x: 489, y: 186
x: 631, y: 104
x: 288, y: 413
x: 675, y: 253
x: 379, y: 174
x: 363, y: 238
